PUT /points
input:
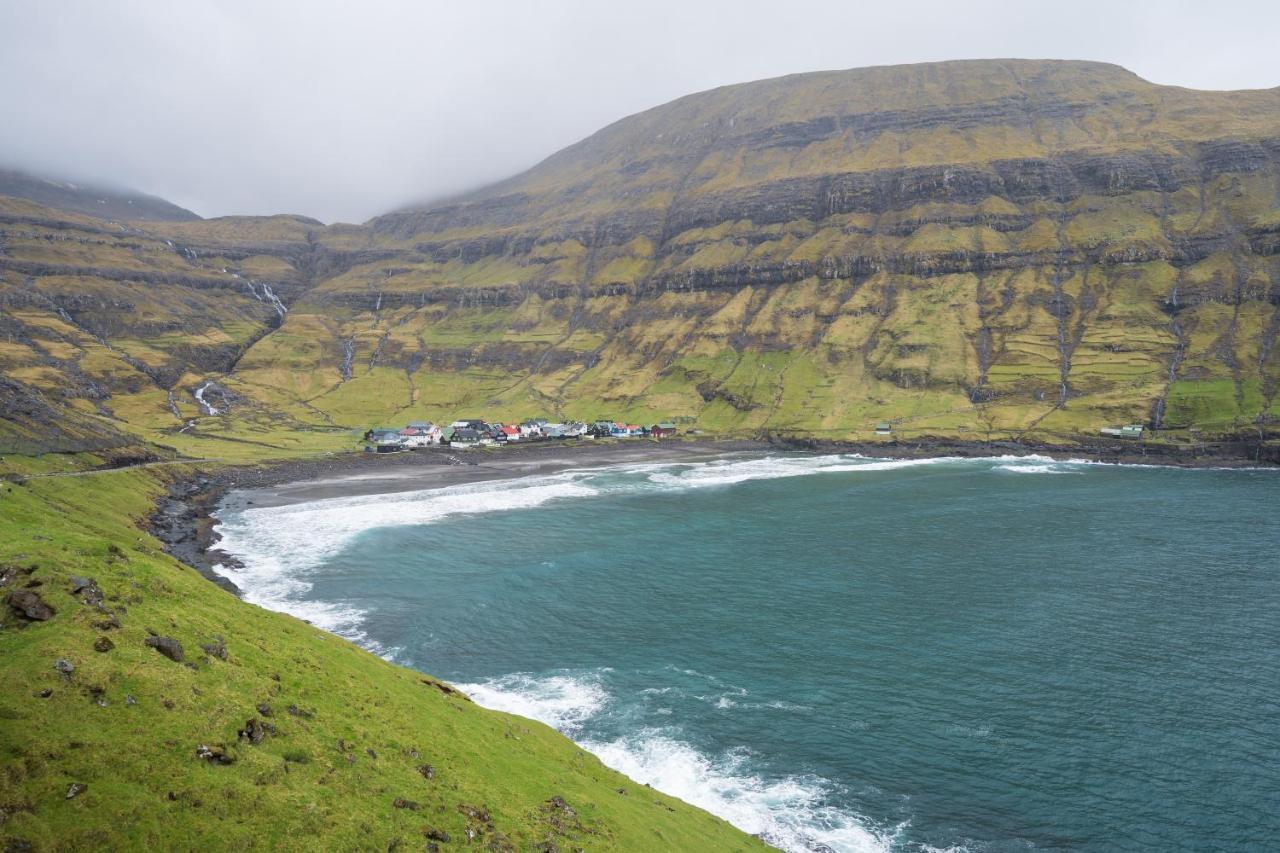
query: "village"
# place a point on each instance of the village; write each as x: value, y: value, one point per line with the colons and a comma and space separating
x: 476, y: 432
x: 472, y: 433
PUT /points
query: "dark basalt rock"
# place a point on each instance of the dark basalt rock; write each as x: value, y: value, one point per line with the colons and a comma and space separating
x: 217, y: 648
x: 168, y: 647
x: 87, y: 590
x: 255, y: 731
x: 29, y: 606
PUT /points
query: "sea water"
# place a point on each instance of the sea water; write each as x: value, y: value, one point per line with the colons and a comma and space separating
x: 982, y: 655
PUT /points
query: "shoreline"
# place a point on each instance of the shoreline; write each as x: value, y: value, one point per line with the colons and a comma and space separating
x: 185, y: 518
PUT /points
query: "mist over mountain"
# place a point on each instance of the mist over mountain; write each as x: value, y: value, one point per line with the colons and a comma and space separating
x: 976, y: 249
x: 348, y: 111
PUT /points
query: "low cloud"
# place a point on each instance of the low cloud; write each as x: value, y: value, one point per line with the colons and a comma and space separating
x: 342, y: 111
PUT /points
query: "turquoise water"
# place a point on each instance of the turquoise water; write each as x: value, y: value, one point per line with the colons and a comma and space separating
x: 980, y: 655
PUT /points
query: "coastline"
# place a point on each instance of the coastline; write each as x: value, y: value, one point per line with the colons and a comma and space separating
x: 185, y: 519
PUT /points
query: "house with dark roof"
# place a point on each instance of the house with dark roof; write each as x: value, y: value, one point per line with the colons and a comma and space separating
x: 465, y: 438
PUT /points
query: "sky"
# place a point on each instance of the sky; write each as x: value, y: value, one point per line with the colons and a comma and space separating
x: 344, y: 110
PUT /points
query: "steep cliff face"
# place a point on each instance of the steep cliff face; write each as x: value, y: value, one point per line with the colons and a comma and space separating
x: 973, y: 249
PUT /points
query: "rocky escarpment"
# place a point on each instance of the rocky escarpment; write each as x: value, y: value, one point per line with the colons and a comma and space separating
x: 980, y: 247
x: 978, y: 250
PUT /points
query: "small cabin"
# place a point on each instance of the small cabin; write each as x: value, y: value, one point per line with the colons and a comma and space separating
x: 884, y: 428
x: 663, y: 430
x: 1126, y: 431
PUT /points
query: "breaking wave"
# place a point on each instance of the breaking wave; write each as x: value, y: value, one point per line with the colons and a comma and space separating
x: 793, y: 813
x: 561, y: 701
x: 277, y: 547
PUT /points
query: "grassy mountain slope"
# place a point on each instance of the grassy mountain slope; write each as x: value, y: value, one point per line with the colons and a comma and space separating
x: 341, y: 767
x: 970, y: 249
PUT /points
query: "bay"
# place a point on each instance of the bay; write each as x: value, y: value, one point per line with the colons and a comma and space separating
x: 993, y: 654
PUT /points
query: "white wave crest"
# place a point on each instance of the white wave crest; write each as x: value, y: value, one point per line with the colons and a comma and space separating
x: 730, y: 472
x: 561, y: 701
x: 792, y: 812
x: 279, y: 546
x: 1035, y: 469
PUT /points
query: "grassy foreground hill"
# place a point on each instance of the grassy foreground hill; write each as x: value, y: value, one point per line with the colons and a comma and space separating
x: 261, y: 732
x: 975, y: 250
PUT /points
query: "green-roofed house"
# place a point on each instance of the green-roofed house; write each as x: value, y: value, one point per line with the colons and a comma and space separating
x: 666, y: 429
x: 884, y: 428
x: 1127, y: 431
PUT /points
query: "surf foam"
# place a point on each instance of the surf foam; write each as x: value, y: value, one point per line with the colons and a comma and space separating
x: 279, y: 546
x: 793, y: 813
x: 563, y: 702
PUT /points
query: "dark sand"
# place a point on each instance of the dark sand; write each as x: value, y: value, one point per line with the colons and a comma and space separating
x: 434, y: 468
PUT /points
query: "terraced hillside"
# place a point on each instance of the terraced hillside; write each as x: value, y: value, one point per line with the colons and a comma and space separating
x: 969, y: 249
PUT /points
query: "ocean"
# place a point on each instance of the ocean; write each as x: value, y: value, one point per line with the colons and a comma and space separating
x: 1002, y: 654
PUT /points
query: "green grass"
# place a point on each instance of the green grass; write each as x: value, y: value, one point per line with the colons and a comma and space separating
x: 329, y: 775
x: 1212, y: 404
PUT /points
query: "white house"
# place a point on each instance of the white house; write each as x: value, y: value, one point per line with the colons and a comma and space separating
x: 420, y: 434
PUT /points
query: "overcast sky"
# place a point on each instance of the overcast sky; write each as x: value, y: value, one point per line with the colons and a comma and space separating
x: 343, y: 110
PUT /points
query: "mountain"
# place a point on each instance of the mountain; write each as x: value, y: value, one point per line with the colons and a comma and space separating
x: 92, y: 200
x: 975, y: 250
